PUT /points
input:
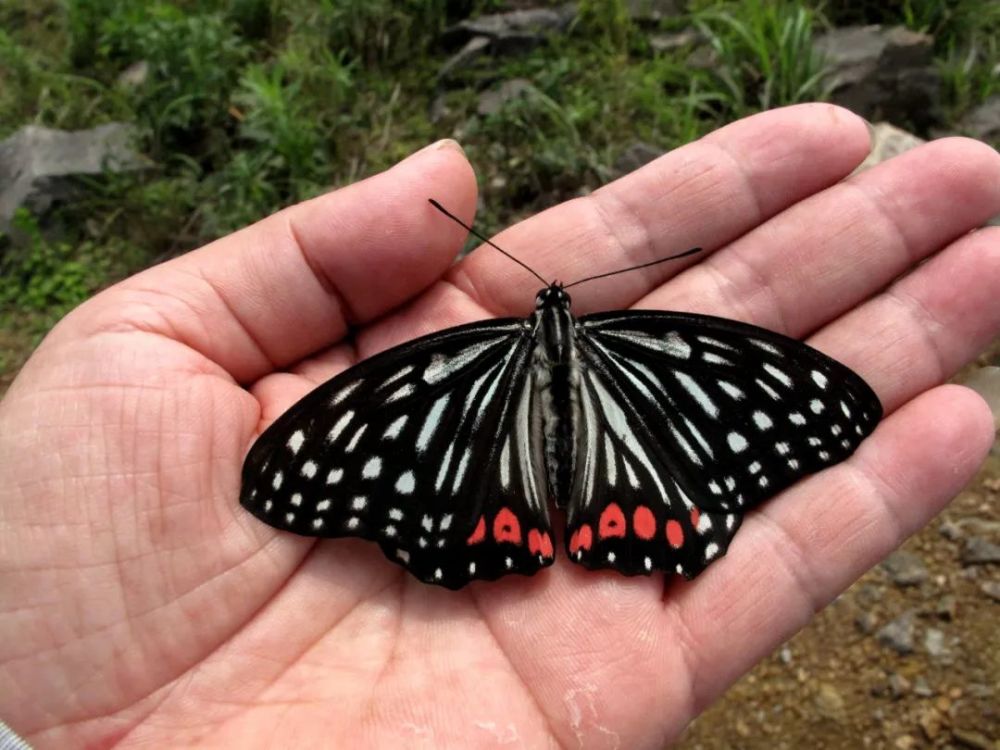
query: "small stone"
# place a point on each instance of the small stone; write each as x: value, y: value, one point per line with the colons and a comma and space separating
x: 785, y: 655
x: 742, y: 729
x: 991, y: 589
x: 934, y: 643
x: 492, y: 101
x: 866, y: 622
x: 921, y: 688
x: 829, y: 702
x: 898, y: 634
x: 950, y: 530
x: 947, y: 607
x: 898, y: 686
x: 972, y: 738
x: 979, y: 551
x: 905, y: 568
x: 930, y: 723
x: 905, y: 742
x: 670, y: 42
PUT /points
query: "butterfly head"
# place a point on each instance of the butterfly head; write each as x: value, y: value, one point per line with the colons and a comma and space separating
x: 552, y: 296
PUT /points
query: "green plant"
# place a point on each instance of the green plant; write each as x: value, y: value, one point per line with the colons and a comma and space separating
x: 44, y: 276
x: 764, y: 52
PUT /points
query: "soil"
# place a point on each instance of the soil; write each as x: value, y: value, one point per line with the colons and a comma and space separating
x: 843, y: 681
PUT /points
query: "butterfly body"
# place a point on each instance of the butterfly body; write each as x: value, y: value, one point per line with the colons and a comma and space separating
x: 656, y: 431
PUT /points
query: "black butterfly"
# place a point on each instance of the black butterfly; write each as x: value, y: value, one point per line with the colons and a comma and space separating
x: 655, y: 431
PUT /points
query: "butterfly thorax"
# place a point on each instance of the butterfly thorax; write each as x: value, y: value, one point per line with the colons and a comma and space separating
x: 556, y: 378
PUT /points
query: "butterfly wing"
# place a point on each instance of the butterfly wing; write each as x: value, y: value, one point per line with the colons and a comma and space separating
x: 687, y: 421
x: 428, y: 448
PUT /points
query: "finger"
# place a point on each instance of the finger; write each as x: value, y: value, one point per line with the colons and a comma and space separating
x: 927, y: 325
x: 795, y: 554
x: 289, y: 285
x: 835, y: 249
x: 706, y: 194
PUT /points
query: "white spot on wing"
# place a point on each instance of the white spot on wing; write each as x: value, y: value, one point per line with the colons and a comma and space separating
x: 697, y: 393
x: 505, y: 465
x: 460, y: 471
x: 731, y: 390
x: 334, y: 476
x: 393, y: 430
x: 405, y: 483
x: 714, y: 359
x: 762, y: 421
x: 737, y: 442
x: 356, y: 437
x: 359, y: 502
x: 780, y: 375
x: 395, y: 514
x: 276, y: 481
x: 309, y: 469
x: 296, y: 499
x: 768, y: 389
x: 296, y: 440
x: 372, y: 468
x: 344, y: 392
x: 339, y: 426
x: 816, y: 406
x: 711, y: 550
x: 323, y: 505
x: 819, y: 378
x: 403, y: 555
x: 431, y: 422
x: 317, y: 522
x: 796, y: 418
x: 399, y: 393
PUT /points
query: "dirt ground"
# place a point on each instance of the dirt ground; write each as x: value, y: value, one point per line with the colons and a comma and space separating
x: 908, y: 657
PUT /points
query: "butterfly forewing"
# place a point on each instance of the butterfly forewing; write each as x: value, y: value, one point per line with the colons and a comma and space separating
x: 427, y: 448
x: 688, y: 421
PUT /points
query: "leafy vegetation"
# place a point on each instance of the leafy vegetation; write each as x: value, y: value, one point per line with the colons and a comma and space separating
x: 245, y: 106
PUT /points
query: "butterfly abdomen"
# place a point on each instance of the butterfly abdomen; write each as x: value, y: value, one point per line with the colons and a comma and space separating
x: 556, y: 380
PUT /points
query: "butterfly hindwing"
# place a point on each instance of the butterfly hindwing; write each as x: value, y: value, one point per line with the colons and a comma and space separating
x: 689, y: 420
x: 427, y: 448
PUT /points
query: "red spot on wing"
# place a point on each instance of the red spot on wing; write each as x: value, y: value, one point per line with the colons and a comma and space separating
x: 479, y: 534
x: 695, y: 517
x: 675, y: 534
x: 612, y: 522
x: 644, y: 522
x: 581, y: 539
x: 539, y: 543
x: 506, y: 527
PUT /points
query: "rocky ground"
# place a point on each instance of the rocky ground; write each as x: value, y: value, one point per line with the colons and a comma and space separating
x: 908, y: 657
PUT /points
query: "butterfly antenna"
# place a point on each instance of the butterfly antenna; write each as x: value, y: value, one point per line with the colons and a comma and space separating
x: 488, y: 241
x: 686, y: 253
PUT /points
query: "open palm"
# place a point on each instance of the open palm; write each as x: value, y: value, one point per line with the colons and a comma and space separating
x: 141, y: 604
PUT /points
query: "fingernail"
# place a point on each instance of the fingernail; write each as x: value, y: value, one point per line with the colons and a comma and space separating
x: 444, y: 143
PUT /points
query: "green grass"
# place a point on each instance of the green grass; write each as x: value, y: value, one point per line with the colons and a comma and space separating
x: 250, y: 105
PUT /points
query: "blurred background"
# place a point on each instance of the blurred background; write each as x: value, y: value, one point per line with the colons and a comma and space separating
x: 133, y: 131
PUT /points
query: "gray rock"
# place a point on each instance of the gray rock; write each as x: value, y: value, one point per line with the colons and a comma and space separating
x: 652, y: 11
x: 829, y: 702
x: 950, y: 530
x: 134, y: 75
x: 888, y: 141
x: 921, y: 688
x: 669, y: 42
x: 979, y: 551
x: 493, y: 100
x: 637, y: 155
x: 991, y: 589
x: 983, y: 122
x: 866, y: 622
x: 36, y: 163
x: 473, y: 49
x: 947, y: 607
x: 882, y: 73
x: 905, y: 568
x: 899, y: 634
x: 934, y: 643
x: 516, y: 30
x: 898, y: 686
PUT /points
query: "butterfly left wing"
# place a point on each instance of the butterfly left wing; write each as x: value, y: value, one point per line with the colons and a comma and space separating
x: 428, y: 449
x: 687, y: 421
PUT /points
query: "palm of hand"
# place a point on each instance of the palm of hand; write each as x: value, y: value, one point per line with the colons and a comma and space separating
x: 142, y: 604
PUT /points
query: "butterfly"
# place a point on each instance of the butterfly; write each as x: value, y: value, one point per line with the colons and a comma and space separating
x: 653, y: 431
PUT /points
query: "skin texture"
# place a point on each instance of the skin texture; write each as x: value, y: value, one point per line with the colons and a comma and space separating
x: 142, y: 606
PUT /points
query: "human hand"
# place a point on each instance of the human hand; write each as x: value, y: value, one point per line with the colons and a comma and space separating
x: 142, y: 604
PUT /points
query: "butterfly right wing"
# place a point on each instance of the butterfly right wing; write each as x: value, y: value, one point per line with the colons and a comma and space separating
x: 428, y: 448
